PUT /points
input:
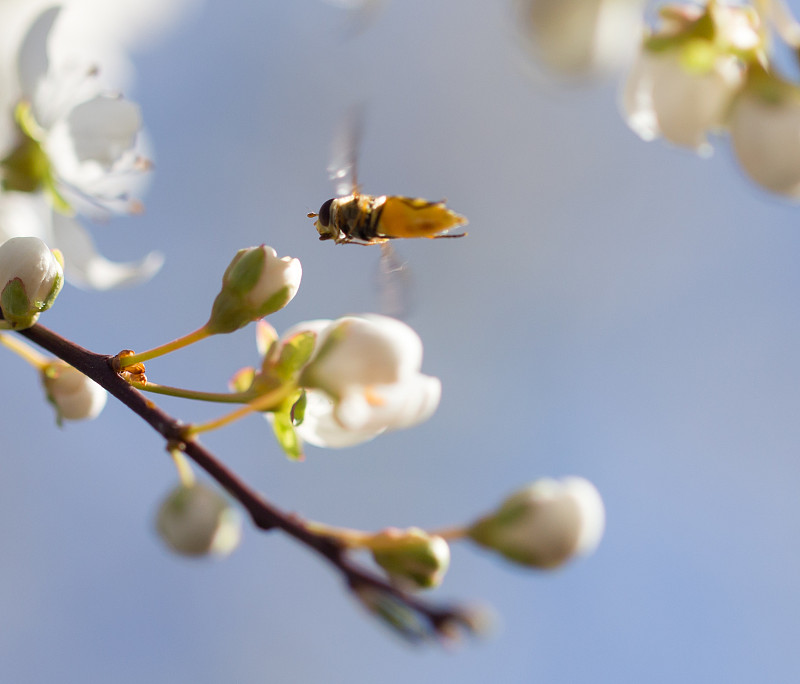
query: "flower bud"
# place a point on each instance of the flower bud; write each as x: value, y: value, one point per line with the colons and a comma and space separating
x: 581, y: 37
x: 412, y: 557
x: 544, y: 524
x: 196, y: 520
x: 31, y: 277
x: 255, y: 284
x: 765, y: 132
x: 74, y: 395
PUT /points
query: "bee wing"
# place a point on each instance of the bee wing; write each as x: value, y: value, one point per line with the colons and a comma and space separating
x: 395, y: 284
x: 344, y: 152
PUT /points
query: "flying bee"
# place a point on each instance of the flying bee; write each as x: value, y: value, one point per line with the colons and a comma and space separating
x: 370, y: 220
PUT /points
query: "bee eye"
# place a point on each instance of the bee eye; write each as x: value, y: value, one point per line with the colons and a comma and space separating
x: 325, y: 213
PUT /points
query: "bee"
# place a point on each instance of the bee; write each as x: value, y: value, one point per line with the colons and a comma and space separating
x: 370, y: 220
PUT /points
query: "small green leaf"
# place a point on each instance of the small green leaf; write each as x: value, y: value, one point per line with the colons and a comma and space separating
x: 298, y: 412
x: 284, y: 431
x: 295, y: 353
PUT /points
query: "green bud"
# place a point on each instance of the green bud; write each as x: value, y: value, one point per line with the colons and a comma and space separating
x: 255, y: 284
x: 412, y: 557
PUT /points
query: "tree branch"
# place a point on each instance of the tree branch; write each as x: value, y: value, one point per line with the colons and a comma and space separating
x: 415, y: 619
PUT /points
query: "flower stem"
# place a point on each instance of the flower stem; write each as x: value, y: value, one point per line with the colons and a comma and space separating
x: 267, y: 401
x: 450, y: 533
x: 184, y: 469
x: 185, y: 341
x: 37, y: 360
x: 349, y: 537
x: 218, y: 397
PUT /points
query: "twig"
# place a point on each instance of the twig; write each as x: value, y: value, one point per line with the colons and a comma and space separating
x: 416, y: 620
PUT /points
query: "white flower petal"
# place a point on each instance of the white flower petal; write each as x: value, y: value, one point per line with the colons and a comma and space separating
x: 23, y: 214
x: 33, y: 62
x: 85, y: 267
x: 320, y: 429
x: 104, y: 128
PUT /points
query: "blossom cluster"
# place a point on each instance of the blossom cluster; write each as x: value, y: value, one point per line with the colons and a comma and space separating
x: 704, y: 70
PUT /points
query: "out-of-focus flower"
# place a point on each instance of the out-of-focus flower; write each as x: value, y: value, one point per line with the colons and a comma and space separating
x: 75, y: 145
x: 195, y: 520
x: 545, y: 524
x: 255, y: 284
x: 369, y: 367
x: 74, y: 396
x: 765, y: 133
x: 581, y: 37
x: 689, y: 72
x: 30, y: 279
x: 77, y: 142
x: 412, y: 557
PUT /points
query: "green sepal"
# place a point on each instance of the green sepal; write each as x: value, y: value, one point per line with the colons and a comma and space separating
x: 14, y: 300
x: 228, y: 313
x: 294, y: 355
x: 285, y: 433
x: 58, y: 283
x: 244, y: 271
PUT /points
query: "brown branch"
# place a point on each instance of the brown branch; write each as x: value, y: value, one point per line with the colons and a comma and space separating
x: 415, y: 619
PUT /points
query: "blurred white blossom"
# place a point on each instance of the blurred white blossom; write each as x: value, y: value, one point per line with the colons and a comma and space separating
x: 688, y: 73
x: 765, y: 133
x: 581, y: 37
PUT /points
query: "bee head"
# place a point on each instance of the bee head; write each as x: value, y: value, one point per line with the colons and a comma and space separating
x: 323, y: 223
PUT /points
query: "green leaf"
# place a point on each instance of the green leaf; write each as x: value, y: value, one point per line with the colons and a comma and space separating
x: 295, y: 353
x: 298, y: 412
x: 284, y: 431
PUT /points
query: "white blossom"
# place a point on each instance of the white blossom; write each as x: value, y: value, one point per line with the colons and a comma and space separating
x: 369, y: 367
x: 581, y: 37
x: 74, y: 396
x: 684, y: 81
x: 545, y: 524
x: 73, y: 147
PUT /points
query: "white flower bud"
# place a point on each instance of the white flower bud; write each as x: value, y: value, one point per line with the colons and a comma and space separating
x: 31, y: 277
x: 369, y: 368
x: 581, y: 37
x: 255, y: 284
x: 545, y: 524
x: 412, y: 557
x: 74, y: 396
x: 196, y: 520
x: 765, y: 133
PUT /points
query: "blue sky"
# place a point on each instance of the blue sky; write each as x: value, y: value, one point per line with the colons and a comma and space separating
x: 620, y: 310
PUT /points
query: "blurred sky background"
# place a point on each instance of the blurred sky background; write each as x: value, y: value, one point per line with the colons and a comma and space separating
x: 621, y: 310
